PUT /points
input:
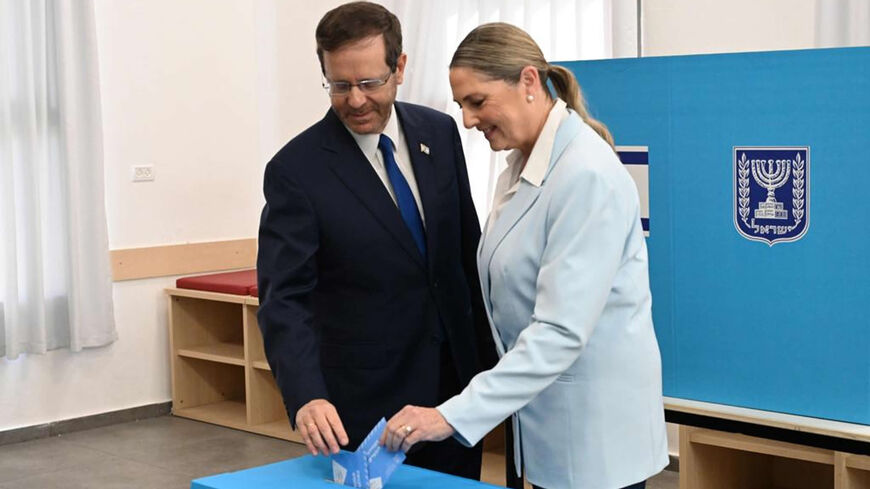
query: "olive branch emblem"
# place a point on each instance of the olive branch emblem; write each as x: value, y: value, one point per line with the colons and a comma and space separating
x: 743, y: 188
x: 797, y: 191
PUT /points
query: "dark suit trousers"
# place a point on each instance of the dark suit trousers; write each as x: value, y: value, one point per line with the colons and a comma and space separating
x: 448, y: 456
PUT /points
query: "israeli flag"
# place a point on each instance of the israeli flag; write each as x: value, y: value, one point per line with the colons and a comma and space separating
x: 636, y: 161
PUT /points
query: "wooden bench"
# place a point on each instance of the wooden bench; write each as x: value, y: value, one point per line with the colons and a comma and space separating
x: 219, y: 370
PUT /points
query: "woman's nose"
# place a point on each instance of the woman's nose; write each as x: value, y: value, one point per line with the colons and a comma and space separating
x: 469, y: 120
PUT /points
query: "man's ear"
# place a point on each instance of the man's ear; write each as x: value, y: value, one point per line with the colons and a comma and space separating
x: 400, y: 68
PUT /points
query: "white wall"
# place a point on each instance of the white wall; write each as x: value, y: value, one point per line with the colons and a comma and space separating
x: 179, y: 92
x: 673, y: 27
x: 205, y: 91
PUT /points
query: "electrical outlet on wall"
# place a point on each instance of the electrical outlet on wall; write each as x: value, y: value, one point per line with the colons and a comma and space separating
x: 143, y: 173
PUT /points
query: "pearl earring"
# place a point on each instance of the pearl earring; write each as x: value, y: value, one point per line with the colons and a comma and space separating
x: 530, y: 98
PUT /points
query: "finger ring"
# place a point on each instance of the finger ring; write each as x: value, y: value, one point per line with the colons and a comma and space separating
x: 407, y: 429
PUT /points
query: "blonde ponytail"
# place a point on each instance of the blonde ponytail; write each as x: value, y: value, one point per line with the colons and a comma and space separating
x: 569, y: 90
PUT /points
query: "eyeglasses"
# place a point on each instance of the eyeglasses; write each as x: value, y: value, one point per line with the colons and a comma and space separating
x: 343, y: 87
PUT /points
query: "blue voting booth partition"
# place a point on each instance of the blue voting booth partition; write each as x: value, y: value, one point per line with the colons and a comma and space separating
x: 759, y: 240
x: 310, y: 472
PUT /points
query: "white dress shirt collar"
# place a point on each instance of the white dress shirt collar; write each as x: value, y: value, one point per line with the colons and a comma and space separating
x: 368, y: 143
x: 539, y: 159
x: 535, y: 168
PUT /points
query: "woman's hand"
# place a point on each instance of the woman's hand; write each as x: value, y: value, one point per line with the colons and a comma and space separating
x: 415, y: 424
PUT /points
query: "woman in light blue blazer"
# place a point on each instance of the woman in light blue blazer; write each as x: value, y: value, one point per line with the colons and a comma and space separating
x: 563, y: 269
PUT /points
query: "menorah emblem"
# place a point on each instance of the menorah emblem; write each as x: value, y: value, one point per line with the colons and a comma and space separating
x: 759, y: 171
x: 771, y: 174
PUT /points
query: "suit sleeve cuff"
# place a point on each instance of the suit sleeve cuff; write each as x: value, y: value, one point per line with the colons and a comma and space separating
x: 467, y: 431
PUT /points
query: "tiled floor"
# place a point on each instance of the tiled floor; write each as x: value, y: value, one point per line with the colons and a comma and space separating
x: 160, y: 453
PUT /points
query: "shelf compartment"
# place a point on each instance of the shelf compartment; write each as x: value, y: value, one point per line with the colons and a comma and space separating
x: 266, y: 412
x: 853, y: 471
x: 201, y: 382
x: 856, y: 479
x: 719, y: 460
x: 266, y: 404
x: 196, y: 322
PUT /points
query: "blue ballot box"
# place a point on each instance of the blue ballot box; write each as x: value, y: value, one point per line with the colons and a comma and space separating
x: 316, y: 472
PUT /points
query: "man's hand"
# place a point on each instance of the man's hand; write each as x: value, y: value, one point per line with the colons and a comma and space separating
x: 321, y: 429
x: 415, y: 424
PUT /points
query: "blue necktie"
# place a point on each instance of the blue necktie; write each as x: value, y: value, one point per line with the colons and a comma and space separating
x: 404, y: 197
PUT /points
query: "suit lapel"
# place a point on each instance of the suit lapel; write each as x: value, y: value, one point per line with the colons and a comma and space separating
x: 415, y: 131
x: 522, y: 201
x: 483, y: 274
x: 512, y: 212
x: 351, y: 166
x: 519, y: 204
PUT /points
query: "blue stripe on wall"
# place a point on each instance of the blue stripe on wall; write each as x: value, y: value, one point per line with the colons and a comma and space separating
x: 634, y: 157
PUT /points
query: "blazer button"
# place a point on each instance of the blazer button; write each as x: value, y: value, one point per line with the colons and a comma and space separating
x: 435, y: 284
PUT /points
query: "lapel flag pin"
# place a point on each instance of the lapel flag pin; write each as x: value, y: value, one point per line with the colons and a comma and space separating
x: 424, y: 148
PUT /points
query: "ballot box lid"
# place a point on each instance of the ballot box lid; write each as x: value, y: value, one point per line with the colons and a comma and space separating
x: 311, y: 472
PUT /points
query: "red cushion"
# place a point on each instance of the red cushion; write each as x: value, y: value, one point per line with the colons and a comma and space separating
x: 254, y: 291
x: 239, y: 283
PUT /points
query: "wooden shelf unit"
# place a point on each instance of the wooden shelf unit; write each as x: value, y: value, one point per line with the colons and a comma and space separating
x: 714, y: 459
x: 219, y: 370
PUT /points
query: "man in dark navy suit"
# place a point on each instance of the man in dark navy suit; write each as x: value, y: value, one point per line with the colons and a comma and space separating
x: 369, y: 296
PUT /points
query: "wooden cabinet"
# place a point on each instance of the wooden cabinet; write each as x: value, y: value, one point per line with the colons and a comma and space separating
x: 219, y: 370
x: 717, y: 459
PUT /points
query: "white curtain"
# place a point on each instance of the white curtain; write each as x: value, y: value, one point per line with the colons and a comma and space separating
x: 842, y: 23
x: 55, y: 284
x: 564, y: 29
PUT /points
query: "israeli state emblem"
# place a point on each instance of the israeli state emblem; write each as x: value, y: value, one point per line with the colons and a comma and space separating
x: 772, y: 193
